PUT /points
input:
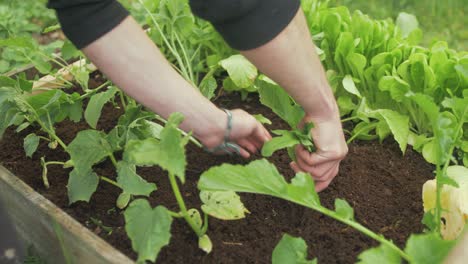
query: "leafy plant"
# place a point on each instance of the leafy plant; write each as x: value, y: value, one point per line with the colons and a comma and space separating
x: 168, y: 153
x: 261, y: 177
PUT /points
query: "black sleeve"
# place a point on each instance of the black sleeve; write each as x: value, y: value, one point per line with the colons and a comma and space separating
x: 244, y: 24
x: 84, y: 21
x: 247, y: 24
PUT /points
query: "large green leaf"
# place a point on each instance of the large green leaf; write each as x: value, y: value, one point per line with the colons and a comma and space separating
x: 280, y: 102
x: 291, y: 250
x: 381, y: 254
x: 225, y: 205
x: 131, y: 182
x: 260, y: 177
x: 149, y: 229
x: 241, y: 71
x: 168, y: 153
x: 95, y: 105
x: 81, y: 185
x: 428, y: 248
x: 88, y: 148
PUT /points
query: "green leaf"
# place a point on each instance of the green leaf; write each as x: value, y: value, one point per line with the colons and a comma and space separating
x: 349, y: 86
x: 168, y: 153
x: 291, y: 250
x: 343, y: 209
x: 396, y: 86
x: 4, y: 66
x: 381, y: 254
x: 241, y: 71
x: 208, y: 87
x: 260, y: 118
x: 149, y: 229
x: 95, y: 105
x: 429, y: 152
x: 428, y: 248
x: 287, y: 139
x: 75, y: 111
x: 225, y: 205
x: 260, y: 177
x: 17, y: 42
x: 346, y: 105
x: 88, y: 148
x: 280, y: 102
x: 31, y: 142
x: 131, y: 182
x: 41, y: 65
x: 399, y: 125
x: 81, y: 185
x: 25, y: 85
x: 6, y: 81
x: 358, y: 61
x: 51, y: 28
x: 69, y: 51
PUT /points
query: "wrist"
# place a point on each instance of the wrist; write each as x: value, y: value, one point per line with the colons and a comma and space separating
x: 212, y: 133
x: 326, y: 113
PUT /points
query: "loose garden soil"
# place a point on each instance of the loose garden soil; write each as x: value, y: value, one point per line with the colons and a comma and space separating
x: 382, y: 185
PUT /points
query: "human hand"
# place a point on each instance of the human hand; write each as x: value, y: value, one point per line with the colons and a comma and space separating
x: 331, y: 148
x: 246, y: 132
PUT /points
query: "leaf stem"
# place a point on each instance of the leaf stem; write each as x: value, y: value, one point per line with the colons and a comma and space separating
x: 175, y: 214
x: 361, y: 229
x: 349, y: 119
x: 110, y: 181
x: 183, y: 208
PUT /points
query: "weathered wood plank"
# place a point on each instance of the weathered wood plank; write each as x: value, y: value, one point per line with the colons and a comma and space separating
x: 56, y: 236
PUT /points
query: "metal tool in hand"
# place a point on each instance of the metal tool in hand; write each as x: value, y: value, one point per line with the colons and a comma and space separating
x: 227, y: 146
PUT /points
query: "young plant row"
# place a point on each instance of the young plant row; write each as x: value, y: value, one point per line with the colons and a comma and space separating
x: 382, y: 80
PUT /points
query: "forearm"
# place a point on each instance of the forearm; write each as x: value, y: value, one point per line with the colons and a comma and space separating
x: 131, y: 60
x: 290, y: 60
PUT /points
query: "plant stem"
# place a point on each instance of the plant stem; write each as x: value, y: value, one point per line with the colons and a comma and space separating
x: 360, y: 228
x: 110, y: 181
x: 349, y: 119
x: 54, y: 163
x: 175, y: 214
x: 112, y: 158
x: 183, y: 208
x: 442, y: 171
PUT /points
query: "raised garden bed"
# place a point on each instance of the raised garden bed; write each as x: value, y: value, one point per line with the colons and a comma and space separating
x: 383, y: 186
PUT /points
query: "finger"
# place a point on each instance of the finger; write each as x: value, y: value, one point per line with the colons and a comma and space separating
x: 312, y: 159
x: 295, y: 167
x: 260, y: 134
x: 329, y: 175
x: 244, y: 153
x: 318, y: 172
x: 320, y: 186
x: 249, y: 145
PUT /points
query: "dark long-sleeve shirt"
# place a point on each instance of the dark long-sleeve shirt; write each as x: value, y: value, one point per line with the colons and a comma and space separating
x: 244, y: 24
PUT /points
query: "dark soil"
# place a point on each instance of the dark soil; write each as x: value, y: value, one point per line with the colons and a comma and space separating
x: 382, y: 185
